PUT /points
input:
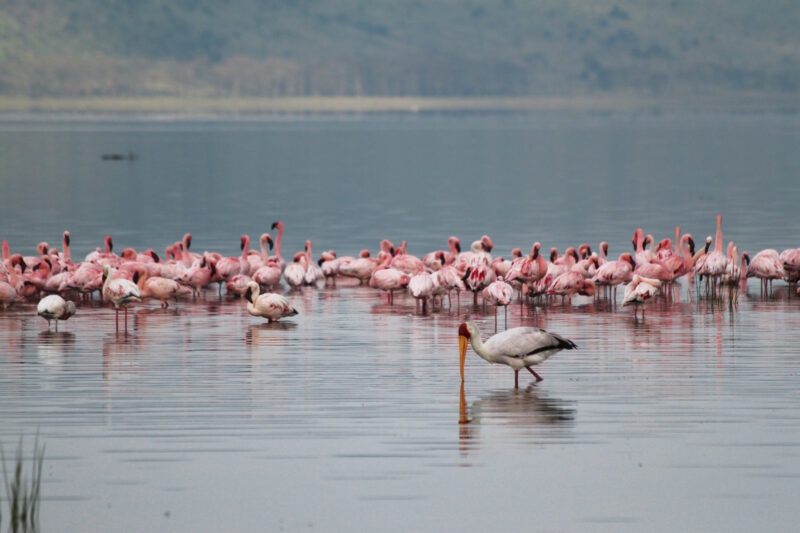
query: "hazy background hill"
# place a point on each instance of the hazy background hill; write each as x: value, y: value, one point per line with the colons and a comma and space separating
x: 398, y: 47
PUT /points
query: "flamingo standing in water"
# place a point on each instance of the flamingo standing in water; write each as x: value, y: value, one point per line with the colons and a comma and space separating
x: 277, y: 260
x: 54, y: 307
x: 360, y: 268
x: 269, y: 305
x: 498, y: 293
x: 295, y: 271
x: 766, y: 265
x: 640, y: 291
x: 388, y: 279
x: 570, y: 283
x: 422, y: 285
x: 227, y: 267
x: 790, y: 260
x: 120, y: 292
x: 614, y: 273
x: 518, y: 348
x: 158, y: 288
x: 716, y: 261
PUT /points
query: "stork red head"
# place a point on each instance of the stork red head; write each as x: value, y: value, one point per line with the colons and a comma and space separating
x: 464, y: 335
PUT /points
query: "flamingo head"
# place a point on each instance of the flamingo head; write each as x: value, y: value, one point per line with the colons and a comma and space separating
x: 266, y: 238
x: 486, y: 243
x: 535, y: 250
x: 516, y: 252
x: 278, y: 225
x: 455, y: 242
x: 129, y: 254
x: 586, y: 287
x: 629, y: 258
x: 665, y: 244
x: 745, y: 259
x: 42, y: 248
x: 251, y: 291
x: 584, y: 251
x: 690, y: 242
x: 298, y: 256
x: 245, y: 241
x: 109, y: 244
x: 604, y: 247
x: 66, y: 238
x: 154, y: 255
x: 571, y: 251
x: 16, y: 260
x: 187, y: 239
x: 553, y: 254
x: 709, y: 239
x: 364, y: 254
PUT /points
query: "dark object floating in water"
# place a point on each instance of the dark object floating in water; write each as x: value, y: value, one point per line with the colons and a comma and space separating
x: 130, y: 156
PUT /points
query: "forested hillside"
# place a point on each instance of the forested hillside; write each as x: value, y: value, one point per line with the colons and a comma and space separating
x: 397, y: 47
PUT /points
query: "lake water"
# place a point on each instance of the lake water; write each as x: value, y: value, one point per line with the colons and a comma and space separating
x: 351, y: 416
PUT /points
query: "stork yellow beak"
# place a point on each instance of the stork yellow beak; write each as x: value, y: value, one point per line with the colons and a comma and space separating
x: 462, y: 352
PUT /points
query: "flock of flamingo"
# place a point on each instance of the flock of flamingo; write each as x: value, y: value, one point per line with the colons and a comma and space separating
x: 133, y: 276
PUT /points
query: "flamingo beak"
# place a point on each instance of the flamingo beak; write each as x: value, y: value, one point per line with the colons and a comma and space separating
x: 462, y: 352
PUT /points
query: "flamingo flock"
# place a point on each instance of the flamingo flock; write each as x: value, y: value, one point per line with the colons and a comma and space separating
x: 646, y: 273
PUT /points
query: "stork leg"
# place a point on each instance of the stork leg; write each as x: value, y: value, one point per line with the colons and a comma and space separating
x: 537, y: 376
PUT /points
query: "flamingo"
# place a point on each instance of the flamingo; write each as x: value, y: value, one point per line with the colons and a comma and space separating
x: 790, y: 260
x: 422, y: 285
x: 498, y: 293
x: 313, y: 271
x: 120, y: 292
x: 615, y: 272
x: 716, y: 261
x: 449, y: 280
x: 227, y: 267
x: 188, y: 257
x: 570, y: 283
x: 360, y: 268
x: 518, y: 348
x: 447, y: 257
x: 158, y: 288
x: 388, y: 279
x: 639, y: 291
x: 54, y: 307
x: 277, y: 260
x: 200, y: 275
x: 269, y: 305
x: 766, y: 265
x: 295, y: 271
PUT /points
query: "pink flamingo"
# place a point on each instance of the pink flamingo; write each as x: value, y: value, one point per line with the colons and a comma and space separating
x: 570, y: 283
x: 790, y: 260
x: 588, y: 266
x: 422, y: 286
x: 388, y: 279
x: 716, y: 261
x: 200, y: 275
x: 640, y: 291
x: 158, y: 288
x: 120, y: 292
x: 404, y: 262
x: 295, y: 271
x: 313, y: 271
x: 360, y: 268
x: 448, y: 279
x: 448, y: 257
x: 498, y: 293
x: 766, y: 265
x: 227, y: 267
x: 614, y: 273
x: 189, y: 257
x: 278, y: 261
x: 269, y: 305
x: 681, y: 264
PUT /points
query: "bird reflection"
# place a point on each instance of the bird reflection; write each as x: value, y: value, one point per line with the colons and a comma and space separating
x: 53, y: 345
x: 526, y: 409
x: 263, y: 334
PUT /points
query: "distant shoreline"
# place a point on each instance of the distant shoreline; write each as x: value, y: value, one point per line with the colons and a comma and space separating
x: 191, y: 106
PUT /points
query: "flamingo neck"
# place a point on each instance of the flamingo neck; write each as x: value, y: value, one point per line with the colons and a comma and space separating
x: 677, y: 240
x: 278, y: 241
x: 264, y: 253
x: 718, y: 244
x: 5, y: 250
x: 246, y: 249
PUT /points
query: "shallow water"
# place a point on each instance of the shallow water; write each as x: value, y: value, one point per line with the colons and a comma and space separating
x: 202, y: 418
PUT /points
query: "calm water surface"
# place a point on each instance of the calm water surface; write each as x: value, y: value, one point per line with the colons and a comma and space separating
x: 351, y: 414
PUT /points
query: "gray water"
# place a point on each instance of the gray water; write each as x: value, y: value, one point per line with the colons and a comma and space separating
x: 351, y: 415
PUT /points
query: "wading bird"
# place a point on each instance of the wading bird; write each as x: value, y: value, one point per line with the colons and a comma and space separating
x: 518, y: 348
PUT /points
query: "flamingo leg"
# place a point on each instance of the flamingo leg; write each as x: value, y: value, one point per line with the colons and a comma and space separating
x: 116, y: 318
x: 126, y: 320
x: 537, y: 376
x: 48, y: 325
x: 516, y: 379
